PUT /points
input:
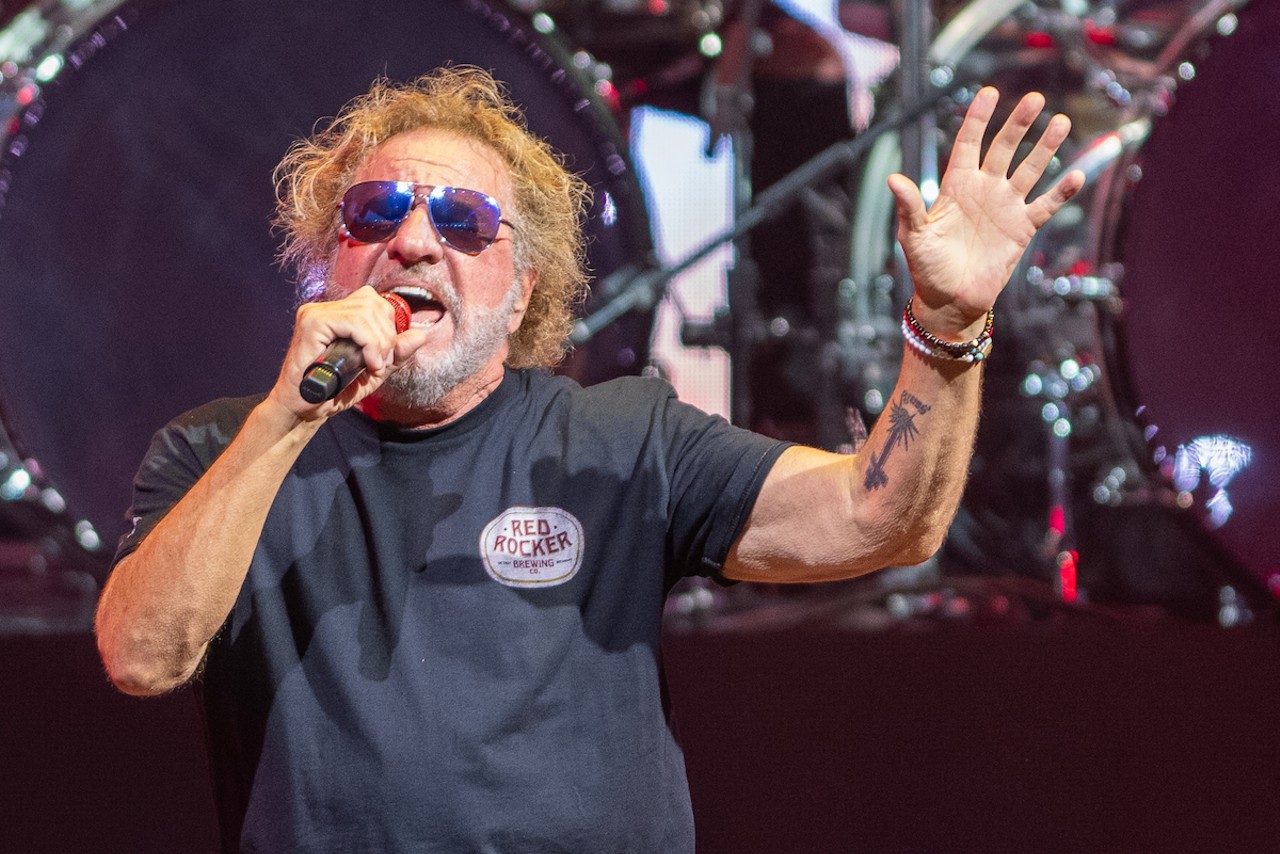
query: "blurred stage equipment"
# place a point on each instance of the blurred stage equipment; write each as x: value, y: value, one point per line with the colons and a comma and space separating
x: 136, y: 260
x: 1123, y: 452
x: 1127, y: 451
x: 47, y: 558
x: 1117, y: 458
x: 1136, y: 308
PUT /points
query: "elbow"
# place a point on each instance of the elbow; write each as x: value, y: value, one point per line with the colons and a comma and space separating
x: 915, y: 555
x: 920, y: 545
x: 136, y: 675
x: 140, y: 681
x: 134, y: 666
x: 140, y: 678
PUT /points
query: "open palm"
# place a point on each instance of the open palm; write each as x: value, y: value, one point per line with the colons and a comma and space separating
x: 963, y: 249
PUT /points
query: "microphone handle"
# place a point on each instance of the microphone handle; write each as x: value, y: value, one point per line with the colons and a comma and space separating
x: 343, y: 360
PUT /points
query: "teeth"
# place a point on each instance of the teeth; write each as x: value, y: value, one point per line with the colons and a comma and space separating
x: 415, y: 293
x: 419, y: 299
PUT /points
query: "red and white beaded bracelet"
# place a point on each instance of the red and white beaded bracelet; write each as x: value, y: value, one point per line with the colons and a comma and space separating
x: 926, y: 342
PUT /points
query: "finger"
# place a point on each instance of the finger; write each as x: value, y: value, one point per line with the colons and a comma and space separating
x: 911, y: 210
x: 408, y: 343
x: 362, y: 317
x: 380, y: 313
x: 1011, y: 134
x: 1032, y: 168
x: 1052, y: 201
x: 967, y: 151
x: 375, y: 357
x: 379, y: 352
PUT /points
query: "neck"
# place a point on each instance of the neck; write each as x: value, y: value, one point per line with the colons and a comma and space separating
x: 460, y: 400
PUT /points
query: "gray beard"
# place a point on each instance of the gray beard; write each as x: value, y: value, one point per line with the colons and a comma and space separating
x: 479, y: 333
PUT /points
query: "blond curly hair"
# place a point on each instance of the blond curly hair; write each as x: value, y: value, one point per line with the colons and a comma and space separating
x: 550, y: 201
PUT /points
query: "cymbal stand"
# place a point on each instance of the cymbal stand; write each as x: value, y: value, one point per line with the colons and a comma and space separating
x: 728, y: 110
x: 1060, y: 381
x: 867, y: 301
x: 1049, y: 384
x: 919, y: 138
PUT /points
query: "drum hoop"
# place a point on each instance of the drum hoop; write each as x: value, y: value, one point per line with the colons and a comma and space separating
x: 48, y: 44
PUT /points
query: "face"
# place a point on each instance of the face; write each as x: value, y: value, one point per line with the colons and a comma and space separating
x: 468, y: 304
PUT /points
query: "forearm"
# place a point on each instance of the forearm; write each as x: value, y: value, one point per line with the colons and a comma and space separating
x: 909, y: 477
x: 163, y: 603
x: 823, y: 516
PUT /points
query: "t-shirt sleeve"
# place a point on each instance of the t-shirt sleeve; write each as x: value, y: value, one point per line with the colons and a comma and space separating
x: 716, y: 471
x: 179, y: 455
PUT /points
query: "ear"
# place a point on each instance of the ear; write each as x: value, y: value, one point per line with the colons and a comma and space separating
x: 528, y: 280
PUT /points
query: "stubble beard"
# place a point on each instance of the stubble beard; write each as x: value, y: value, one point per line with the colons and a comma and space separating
x: 478, y: 334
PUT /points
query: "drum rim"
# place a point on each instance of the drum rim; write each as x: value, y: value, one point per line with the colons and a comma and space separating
x: 77, y: 37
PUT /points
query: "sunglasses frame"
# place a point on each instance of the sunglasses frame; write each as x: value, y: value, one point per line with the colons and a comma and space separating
x: 423, y: 194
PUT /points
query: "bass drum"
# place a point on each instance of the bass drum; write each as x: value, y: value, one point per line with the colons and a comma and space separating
x: 1141, y: 303
x: 137, y: 266
x: 1198, y: 334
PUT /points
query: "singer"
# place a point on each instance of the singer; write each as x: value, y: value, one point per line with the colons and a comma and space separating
x: 424, y: 615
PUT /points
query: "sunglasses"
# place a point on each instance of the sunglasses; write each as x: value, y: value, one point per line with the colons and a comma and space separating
x: 466, y: 220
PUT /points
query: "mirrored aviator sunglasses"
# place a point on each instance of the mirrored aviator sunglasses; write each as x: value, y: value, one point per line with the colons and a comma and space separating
x: 465, y: 220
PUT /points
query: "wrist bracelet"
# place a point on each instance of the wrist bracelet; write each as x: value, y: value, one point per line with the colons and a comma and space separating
x: 929, y: 344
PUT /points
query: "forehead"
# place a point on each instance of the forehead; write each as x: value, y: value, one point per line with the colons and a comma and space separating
x: 434, y: 156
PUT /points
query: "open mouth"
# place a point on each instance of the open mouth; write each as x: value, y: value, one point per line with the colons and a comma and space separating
x: 426, y: 309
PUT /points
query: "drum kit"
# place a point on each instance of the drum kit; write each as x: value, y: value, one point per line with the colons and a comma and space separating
x: 1128, y: 446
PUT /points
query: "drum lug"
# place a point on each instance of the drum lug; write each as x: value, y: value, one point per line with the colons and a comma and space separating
x: 1073, y: 287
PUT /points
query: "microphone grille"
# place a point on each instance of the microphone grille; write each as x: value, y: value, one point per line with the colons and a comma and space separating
x: 403, y: 313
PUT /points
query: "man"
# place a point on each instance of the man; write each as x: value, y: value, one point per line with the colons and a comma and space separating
x: 426, y: 613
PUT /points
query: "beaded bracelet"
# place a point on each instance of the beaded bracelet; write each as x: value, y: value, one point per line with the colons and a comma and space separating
x: 931, y: 345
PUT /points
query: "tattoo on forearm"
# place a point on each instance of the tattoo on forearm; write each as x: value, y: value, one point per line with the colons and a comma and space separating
x: 902, y: 429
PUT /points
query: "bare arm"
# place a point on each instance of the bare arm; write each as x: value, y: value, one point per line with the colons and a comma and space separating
x: 164, y: 602
x: 823, y: 516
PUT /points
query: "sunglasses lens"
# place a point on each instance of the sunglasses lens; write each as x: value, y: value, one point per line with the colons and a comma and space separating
x: 373, y: 210
x: 467, y: 220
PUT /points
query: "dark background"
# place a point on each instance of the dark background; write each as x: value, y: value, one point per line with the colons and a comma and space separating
x: 1085, y: 731
x: 1073, y: 729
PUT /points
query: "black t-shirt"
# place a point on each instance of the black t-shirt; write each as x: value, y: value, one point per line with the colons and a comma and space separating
x: 448, y: 639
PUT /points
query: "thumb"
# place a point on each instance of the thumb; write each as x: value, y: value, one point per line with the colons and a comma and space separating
x: 911, y: 210
x: 407, y: 344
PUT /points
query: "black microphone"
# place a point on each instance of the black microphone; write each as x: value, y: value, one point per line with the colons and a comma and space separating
x: 343, y: 360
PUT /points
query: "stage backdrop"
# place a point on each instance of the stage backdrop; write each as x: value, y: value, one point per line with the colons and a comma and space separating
x: 1080, y: 731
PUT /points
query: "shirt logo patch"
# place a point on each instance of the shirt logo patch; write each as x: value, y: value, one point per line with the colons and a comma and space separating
x: 532, y: 546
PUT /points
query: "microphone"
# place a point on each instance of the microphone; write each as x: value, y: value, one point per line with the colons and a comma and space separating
x: 343, y: 360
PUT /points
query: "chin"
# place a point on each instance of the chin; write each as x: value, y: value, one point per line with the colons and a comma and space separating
x: 416, y: 387
x: 428, y: 380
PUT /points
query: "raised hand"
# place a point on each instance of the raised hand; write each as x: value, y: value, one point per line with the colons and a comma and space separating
x: 963, y: 249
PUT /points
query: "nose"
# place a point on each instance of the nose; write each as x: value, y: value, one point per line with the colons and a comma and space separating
x: 416, y: 241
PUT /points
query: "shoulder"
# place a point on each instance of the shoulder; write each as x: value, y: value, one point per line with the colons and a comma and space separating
x: 222, y: 411
x: 635, y: 390
x: 213, y: 424
x: 544, y: 380
x: 628, y: 397
x: 621, y: 416
x: 623, y: 395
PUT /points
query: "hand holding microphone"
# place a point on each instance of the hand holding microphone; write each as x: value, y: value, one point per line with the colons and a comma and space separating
x: 343, y: 360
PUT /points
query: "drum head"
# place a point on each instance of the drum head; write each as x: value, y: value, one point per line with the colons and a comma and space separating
x: 1201, y: 314
x: 1141, y: 302
x: 137, y: 266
